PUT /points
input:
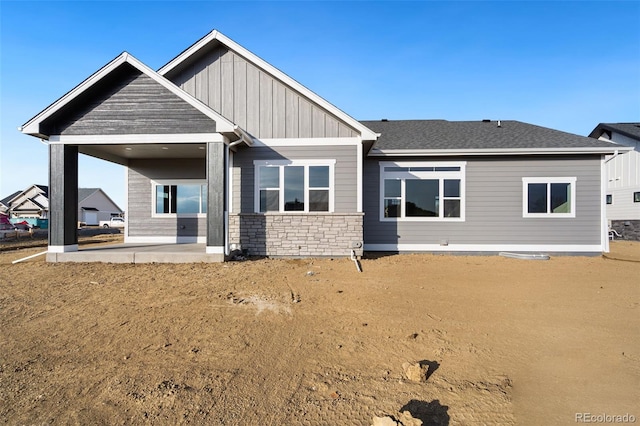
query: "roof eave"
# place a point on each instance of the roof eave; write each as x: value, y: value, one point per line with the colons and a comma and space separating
x: 494, y: 151
x: 32, y: 127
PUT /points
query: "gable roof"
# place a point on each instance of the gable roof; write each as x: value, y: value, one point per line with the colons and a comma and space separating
x: 215, y: 37
x: 32, y: 127
x: 84, y: 193
x: 478, y: 137
x: 5, y: 201
x: 631, y: 130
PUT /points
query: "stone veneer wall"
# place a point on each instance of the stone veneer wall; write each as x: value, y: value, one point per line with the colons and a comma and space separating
x: 629, y: 229
x: 298, y: 235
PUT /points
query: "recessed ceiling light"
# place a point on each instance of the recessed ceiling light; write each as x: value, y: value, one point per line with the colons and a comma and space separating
x: 128, y: 149
x: 164, y: 147
x: 201, y: 147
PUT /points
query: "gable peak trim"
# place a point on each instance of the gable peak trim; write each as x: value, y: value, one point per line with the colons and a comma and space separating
x: 32, y: 127
x: 215, y: 35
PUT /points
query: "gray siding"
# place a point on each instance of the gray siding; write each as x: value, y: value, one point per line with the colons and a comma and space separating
x: 345, y: 172
x: 254, y: 99
x: 494, y: 205
x: 129, y: 102
x: 141, y: 199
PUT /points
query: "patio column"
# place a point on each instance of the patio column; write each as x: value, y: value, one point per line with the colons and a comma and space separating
x: 216, y: 198
x: 63, y: 198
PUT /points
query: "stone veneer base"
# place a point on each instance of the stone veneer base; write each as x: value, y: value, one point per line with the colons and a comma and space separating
x: 297, y: 235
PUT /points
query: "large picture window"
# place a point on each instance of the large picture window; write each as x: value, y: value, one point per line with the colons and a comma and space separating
x: 188, y: 198
x: 549, y: 197
x: 422, y: 191
x: 294, y: 186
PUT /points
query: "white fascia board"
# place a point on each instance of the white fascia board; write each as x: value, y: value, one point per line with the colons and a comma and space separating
x: 351, y: 141
x: 32, y: 127
x: 489, y: 248
x: 366, y: 133
x: 137, y: 139
x: 505, y: 151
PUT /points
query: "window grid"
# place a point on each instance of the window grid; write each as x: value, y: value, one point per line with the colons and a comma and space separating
x: 399, y: 204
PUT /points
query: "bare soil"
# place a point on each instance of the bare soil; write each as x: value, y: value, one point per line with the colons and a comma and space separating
x: 315, y: 342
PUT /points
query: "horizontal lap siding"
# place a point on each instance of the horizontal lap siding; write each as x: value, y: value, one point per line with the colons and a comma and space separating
x: 254, y: 99
x: 130, y: 103
x: 141, y: 199
x: 494, y: 206
x: 345, y: 172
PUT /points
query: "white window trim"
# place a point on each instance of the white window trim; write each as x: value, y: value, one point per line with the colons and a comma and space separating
x: 155, y: 183
x: 548, y: 180
x: 280, y: 163
x: 440, y: 175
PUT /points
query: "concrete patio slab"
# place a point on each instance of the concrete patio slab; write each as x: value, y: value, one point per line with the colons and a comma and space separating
x: 139, y: 253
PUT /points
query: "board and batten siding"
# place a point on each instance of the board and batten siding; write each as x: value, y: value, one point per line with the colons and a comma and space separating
x: 129, y: 102
x: 345, y: 179
x: 141, y: 199
x: 494, y: 197
x: 255, y: 100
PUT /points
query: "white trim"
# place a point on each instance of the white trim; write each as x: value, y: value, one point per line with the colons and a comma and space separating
x: 308, y: 141
x: 173, y: 138
x: 577, y: 248
x: 126, y: 201
x: 441, y: 176
x: 33, y: 126
x: 215, y: 250
x: 359, y: 177
x: 548, y: 180
x: 165, y: 240
x: 298, y: 163
x: 375, y: 152
x: 174, y: 182
x: 63, y: 249
x: 367, y: 134
x: 313, y: 162
x: 604, y: 223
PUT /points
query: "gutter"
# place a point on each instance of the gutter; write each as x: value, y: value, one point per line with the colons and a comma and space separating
x: 490, y: 151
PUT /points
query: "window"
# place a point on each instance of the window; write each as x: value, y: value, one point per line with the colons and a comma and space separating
x: 180, y: 198
x: 549, y: 197
x: 294, y: 186
x: 422, y: 191
x: 636, y: 197
x: 609, y: 199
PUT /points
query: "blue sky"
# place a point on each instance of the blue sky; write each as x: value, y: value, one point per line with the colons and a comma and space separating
x: 564, y: 65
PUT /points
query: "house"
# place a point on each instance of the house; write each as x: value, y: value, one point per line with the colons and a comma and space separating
x: 5, y: 203
x: 95, y: 205
x: 32, y: 204
x: 623, y: 183
x: 223, y: 149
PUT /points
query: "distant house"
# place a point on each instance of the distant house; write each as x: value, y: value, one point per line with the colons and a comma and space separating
x: 6, y: 202
x: 623, y: 177
x: 224, y: 149
x: 33, y: 203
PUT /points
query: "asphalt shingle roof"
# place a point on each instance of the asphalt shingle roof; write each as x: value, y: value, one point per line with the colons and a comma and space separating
x: 631, y: 130
x: 456, y: 135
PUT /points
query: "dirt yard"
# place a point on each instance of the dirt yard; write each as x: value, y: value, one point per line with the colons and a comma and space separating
x: 315, y: 342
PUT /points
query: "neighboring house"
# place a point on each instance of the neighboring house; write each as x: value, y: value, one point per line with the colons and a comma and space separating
x: 623, y: 172
x: 95, y: 205
x: 5, y: 203
x: 33, y: 203
x: 224, y: 149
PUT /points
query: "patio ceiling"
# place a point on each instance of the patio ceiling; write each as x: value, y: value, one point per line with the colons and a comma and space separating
x: 121, y: 153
